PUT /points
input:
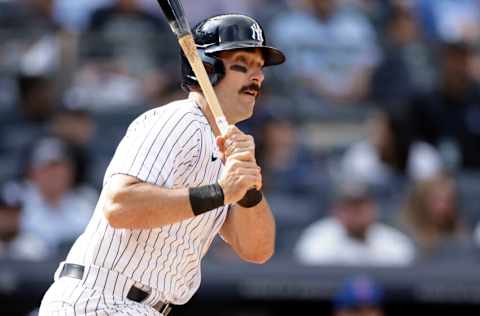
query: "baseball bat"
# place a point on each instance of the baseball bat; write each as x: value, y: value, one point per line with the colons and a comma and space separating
x: 173, y: 11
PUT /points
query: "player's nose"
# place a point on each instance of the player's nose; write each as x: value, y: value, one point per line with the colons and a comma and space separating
x: 258, y: 76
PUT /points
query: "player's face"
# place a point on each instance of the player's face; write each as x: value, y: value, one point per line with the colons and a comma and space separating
x: 54, y: 178
x: 357, y: 215
x: 238, y: 90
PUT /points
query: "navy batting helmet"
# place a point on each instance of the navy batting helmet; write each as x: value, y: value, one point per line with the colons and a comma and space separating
x: 223, y: 33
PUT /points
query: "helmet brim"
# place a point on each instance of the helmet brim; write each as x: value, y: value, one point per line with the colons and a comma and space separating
x: 272, y: 55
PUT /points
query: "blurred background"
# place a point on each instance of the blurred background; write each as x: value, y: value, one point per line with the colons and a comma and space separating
x: 368, y: 137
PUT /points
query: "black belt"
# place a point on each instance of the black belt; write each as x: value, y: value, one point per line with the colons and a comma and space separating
x: 135, y: 294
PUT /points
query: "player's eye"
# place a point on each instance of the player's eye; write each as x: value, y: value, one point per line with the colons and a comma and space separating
x: 239, y: 68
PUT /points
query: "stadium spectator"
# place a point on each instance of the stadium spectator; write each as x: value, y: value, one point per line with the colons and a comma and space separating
x: 449, y: 116
x: 288, y: 165
x: 332, y: 67
x: 36, y: 98
x: 123, y: 58
x: 35, y: 69
x: 407, y: 66
x: 31, y: 44
x: 137, y: 36
x: 126, y: 25
x: 76, y: 127
x: 390, y: 152
x: 103, y: 83
x: 34, y: 108
x: 432, y: 217
x: 352, y: 235
x: 31, y: 17
x: 359, y: 296
x: 23, y: 25
x: 32, y: 35
x: 53, y: 213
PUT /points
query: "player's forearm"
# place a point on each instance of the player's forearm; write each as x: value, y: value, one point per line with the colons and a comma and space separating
x: 251, y: 232
x: 132, y: 204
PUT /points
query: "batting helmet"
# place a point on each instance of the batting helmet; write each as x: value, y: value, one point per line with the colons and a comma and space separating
x: 223, y: 33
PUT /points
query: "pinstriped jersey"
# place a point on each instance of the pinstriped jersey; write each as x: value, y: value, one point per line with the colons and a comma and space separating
x: 170, y: 146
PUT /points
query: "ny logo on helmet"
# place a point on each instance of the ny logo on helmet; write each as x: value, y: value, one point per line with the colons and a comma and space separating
x: 257, y: 32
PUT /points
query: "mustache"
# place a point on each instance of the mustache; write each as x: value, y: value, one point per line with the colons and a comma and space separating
x: 253, y: 86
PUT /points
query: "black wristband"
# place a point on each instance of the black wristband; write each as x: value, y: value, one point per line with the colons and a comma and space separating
x: 251, y: 198
x: 206, y: 198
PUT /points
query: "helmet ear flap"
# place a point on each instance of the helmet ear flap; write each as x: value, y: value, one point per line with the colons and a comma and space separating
x: 213, y: 65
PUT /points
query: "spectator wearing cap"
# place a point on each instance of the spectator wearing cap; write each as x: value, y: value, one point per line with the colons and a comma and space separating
x: 359, y: 296
x: 352, y: 235
x: 53, y: 212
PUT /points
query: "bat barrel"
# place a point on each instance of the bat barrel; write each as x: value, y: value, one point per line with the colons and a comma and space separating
x: 175, y: 15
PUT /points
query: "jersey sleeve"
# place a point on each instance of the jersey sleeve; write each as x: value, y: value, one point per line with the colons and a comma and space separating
x: 157, y: 149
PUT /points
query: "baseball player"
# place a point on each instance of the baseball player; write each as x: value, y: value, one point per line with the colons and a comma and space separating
x: 172, y: 186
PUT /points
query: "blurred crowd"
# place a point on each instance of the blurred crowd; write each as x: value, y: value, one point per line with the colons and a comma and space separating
x: 368, y: 136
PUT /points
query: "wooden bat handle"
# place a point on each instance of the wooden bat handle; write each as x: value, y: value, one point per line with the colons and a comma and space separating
x: 190, y: 50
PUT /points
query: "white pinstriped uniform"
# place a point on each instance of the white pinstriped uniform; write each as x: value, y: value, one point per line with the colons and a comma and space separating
x: 170, y: 146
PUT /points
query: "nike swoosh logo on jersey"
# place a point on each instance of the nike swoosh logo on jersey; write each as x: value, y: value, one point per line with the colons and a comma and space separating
x: 214, y: 157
